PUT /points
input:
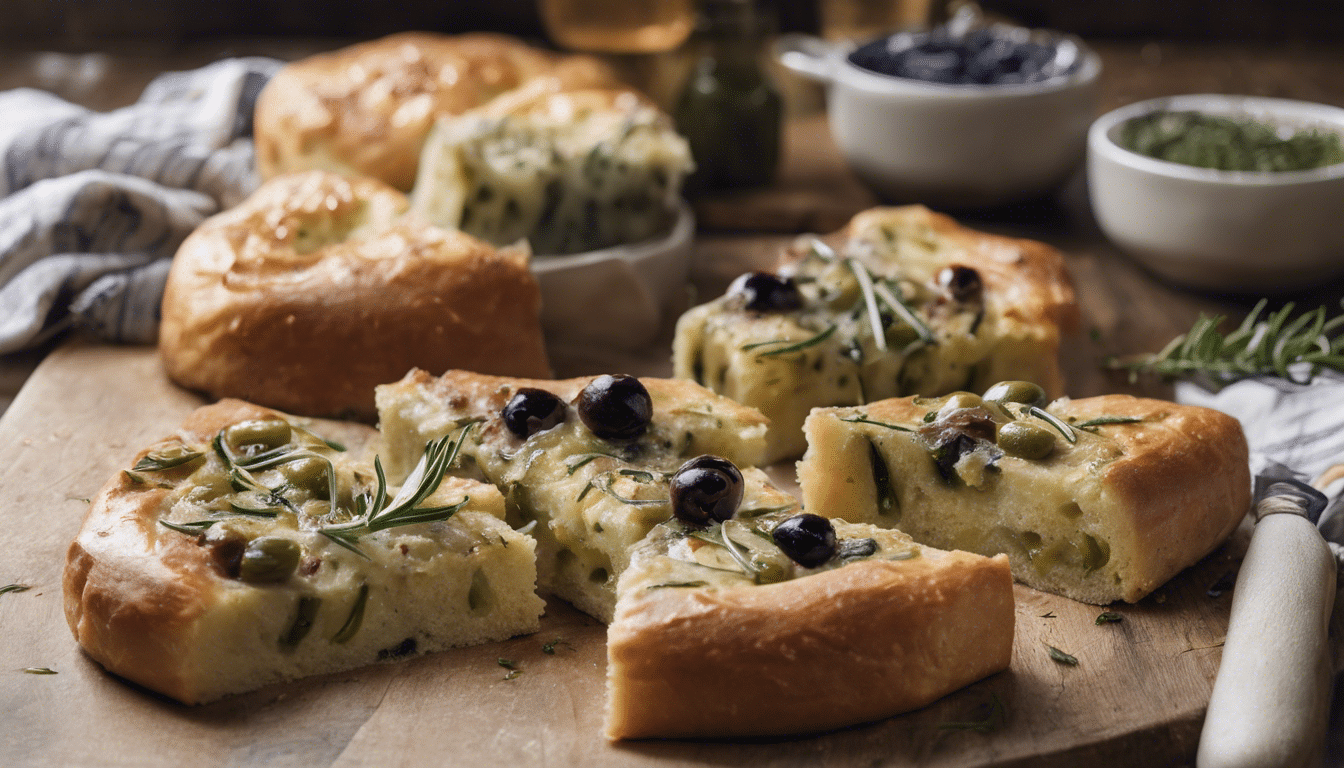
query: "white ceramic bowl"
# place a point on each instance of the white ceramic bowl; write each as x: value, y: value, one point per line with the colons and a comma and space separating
x: 1244, y: 232
x: 957, y: 146
x: 616, y: 297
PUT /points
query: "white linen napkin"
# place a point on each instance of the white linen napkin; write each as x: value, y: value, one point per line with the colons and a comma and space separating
x: 93, y: 205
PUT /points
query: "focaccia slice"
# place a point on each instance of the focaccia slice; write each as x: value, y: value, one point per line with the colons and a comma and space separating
x: 957, y: 309
x: 1098, y: 499
x: 708, y: 643
x: 592, y: 498
x: 239, y: 553
x: 569, y: 172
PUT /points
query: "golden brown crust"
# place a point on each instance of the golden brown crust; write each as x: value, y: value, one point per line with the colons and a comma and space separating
x: 1180, y: 485
x: 366, y: 109
x: 859, y: 643
x: 313, y: 291
x: 132, y: 611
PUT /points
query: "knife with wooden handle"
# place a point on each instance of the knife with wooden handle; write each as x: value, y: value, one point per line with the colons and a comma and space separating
x: 1271, y: 699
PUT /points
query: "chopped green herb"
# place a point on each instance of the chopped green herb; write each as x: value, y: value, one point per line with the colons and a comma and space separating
x: 1062, y: 657
x: 167, y: 459
x: 14, y: 588
x: 791, y: 348
x: 1108, y: 617
x: 994, y: 719
x: 866, y: 420
x: 512, y: 666
x: 1229, y: 144
x: 40, y: 671
x: 549, y: 648
x: 676, y: 584
x: 1102, y: 421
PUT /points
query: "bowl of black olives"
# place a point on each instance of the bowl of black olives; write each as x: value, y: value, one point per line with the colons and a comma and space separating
x: 962, y: 115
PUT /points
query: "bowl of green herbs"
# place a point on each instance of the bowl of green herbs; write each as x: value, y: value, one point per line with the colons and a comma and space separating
x: 1223, y: 193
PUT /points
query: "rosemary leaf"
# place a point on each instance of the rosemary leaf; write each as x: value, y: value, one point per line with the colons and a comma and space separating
x: 356, y: 617
x: 1062, y: 657
x: 1108, y: 617
x: 161, y: 460
x: 1102, y: 421
x: 791, y: 348
x: 14, y: 588
x: 1054, y: 421
x: 40, y: 670
x: 676, y: 584
x: 869, y: 302
x: 905, y: 312
x: 866, y: 420
x: 191, y: 529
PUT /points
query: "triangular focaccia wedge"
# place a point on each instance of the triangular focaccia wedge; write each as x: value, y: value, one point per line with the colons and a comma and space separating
x: 958, y: 309
x: 1098, y: 499
x: 701, y: 647
x: 194, y: 579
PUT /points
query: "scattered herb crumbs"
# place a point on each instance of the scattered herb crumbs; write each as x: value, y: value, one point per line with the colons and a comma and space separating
x: 549, y: 648
x: 1109, y: 617
x: 14, y: 588
x: 1062, y: 657
x: 40, y: 671
x: 992, y: 721
x: 512, y: 666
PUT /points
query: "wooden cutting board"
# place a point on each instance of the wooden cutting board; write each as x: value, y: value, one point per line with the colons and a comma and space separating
x: 1135, y: 698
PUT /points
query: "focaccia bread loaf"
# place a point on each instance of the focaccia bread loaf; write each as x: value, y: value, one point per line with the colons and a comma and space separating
x: 592, y: 497
x: 1098, y: 499
x: 701, y: 648
x: 958, y: 309
x: 570, y: 172
x: 237, y: 553
x: 365, y: 110
x: 318, y: 288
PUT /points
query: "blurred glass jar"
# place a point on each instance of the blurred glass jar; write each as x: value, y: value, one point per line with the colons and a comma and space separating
x: 618, y: 26
x: 730, y: 111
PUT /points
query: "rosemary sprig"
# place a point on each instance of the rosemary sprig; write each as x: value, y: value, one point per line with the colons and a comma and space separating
x: 1264, y: 344
x: 898, y: 305
x: 1049, y: 418
x: 798, y: 347
x: 376, y: 512
x: 869, y: 302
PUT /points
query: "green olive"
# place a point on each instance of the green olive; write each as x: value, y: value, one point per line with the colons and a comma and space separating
x: 1024, y: 392
x: 269, y: 559
x: 1027, y: 441
x: 309, y: 474
x: 258, y: 435
x: 961, y: 400
x: 901, y: 336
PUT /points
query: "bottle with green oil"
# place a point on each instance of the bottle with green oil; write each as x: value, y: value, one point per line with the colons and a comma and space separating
x: 730, y: 111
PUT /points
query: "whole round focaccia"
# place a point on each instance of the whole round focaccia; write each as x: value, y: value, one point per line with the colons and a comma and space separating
x: 366, y: 109
x: 318, y: 288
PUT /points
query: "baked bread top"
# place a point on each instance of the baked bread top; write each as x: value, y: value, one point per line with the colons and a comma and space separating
x: 570, y: 171
x: 706, y: 642
x: 902, y: 301
x: 592, y: 492
x: 1097, y: 499
x: 246, y: 550
x: 366, y: 109
x: 318, y: 288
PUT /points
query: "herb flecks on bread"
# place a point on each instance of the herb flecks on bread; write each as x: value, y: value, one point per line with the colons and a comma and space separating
x: 1098, y: 499
x: 247, y: 550
x: 903, y: 301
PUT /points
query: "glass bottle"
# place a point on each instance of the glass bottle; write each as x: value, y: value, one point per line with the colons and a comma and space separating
x: 730, y: 111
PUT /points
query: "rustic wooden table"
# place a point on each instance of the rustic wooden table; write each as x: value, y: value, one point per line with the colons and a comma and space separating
x: 1137, y: 698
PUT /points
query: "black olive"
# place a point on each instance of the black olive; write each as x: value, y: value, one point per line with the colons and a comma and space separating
x: 766, y: 292
x: 533, y: 410
x: 961, y: 283
x: 705, y: 489
x: 615, y: 407
x: 807, y: 538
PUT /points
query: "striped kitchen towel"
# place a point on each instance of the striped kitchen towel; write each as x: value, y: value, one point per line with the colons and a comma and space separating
x: 93, y: 205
